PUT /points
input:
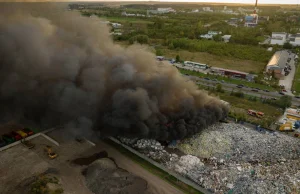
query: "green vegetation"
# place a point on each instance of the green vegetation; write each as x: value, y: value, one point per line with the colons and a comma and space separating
x: 246, y: 52
x: 40, y: 186
x: 179, y: 34
x: 240, y: 103
x: 296, y: 82
x: 215, y: 61
x: 227, y: 80
x: 154, y: 170
x: 142, y: 39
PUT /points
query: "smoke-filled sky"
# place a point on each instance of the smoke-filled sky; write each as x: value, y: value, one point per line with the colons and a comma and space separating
x: 57, y: 68
x: 201, y: 1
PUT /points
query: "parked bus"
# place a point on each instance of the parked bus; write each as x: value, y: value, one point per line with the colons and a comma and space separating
x: 195, y: 65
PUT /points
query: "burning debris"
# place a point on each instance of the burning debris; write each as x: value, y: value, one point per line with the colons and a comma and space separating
x: 58, y: 68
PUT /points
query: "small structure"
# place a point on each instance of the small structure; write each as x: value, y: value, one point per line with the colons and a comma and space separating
x: 226, y: 38
x: 116, y: 25
x: 279, y: 38
x: 251, y: 20
x: 195, y: 65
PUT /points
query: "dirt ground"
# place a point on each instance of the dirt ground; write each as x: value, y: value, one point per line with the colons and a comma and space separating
x: 19, y: 166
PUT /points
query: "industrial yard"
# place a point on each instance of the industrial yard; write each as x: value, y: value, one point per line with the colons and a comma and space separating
x: 77, y: 167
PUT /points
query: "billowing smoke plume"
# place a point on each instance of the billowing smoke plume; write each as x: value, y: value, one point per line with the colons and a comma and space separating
x: 57, y: 67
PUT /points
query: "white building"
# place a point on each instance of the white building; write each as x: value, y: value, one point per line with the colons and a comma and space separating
x: 207, y: 9
x: 251, y: 20
x: 206, y: 36
x: 165, y: 10
x: 278, y: 38
x: 294, y: 39
x: 226, y: 38
x: 214, y: 33
x: 116, y: 25
x: 210, y: 34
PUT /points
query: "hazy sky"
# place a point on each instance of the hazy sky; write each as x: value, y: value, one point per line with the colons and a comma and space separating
x: 220, y: 1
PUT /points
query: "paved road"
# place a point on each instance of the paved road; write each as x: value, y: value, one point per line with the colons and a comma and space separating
x: 246, y: 90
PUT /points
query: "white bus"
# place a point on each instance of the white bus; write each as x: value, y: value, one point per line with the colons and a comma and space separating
x: 195, y: 65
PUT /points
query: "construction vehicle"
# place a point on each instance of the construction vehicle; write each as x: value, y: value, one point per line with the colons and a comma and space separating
x: 286, y: 127
x: 50, y: 152
x: 255, y: 113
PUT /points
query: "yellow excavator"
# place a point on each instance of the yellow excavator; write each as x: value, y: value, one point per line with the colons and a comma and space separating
x: 50, y: 152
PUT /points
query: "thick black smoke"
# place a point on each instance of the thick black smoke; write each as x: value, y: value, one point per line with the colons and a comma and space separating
x: 57, y: 67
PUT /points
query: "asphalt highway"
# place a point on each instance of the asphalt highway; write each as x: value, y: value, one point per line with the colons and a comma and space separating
x: 245, y: 90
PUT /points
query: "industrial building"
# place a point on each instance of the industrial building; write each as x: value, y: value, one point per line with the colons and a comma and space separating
x: 279, y: 38
x: 294, y: 39
x: 278, y: 63
x: 229, y: 72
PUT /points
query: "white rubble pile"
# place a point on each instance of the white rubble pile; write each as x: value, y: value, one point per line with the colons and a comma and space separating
x: 230, y: 158
x: 127, y: 141
x: 234, y: 142
x: 187, y: 163
x: 241, y: 160
x: 148, y: 144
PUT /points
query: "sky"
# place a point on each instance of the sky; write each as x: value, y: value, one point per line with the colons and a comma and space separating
x: 203, y: 1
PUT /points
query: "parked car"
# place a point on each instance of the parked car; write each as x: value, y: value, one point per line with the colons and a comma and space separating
x: 254, y: 90
x: 222, y: 81
x: 23, y: 134
x: 215, y: 80
x: 2, y: 143
x: 273, y: 98
x: 284, y: 90
x: 281, y: 93
x: 257, y: 88
x: 240, y: 86
x: 266, y: 91
x: 28, y: 131
x: 206, y: 78
x: 297, y: 96
x: 16, y: 136
x: 8, y: 138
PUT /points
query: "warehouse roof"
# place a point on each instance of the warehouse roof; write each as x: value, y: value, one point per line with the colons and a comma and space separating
x: 278, y: 59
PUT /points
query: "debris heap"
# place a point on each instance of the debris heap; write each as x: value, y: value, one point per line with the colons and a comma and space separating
x: 231, y: 158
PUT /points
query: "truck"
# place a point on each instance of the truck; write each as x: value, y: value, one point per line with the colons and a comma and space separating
x: 255, y: 113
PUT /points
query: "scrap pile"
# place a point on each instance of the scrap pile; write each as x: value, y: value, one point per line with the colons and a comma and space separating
x: 230, y: 158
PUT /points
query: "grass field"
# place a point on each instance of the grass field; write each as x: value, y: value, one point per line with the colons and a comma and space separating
x: 216, y: 61
x: 154, y: 170
x: 239, y: 106
x: 296, y: 82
